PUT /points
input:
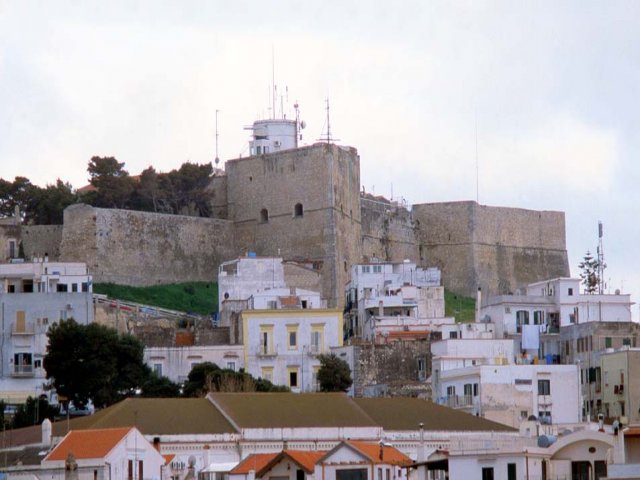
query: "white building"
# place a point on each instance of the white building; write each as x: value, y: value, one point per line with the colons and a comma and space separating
x: 175, y: 363
x: 243, y: 277
x: 510, y: 394
x: 110, y: 453
x: 32, y: 297
x: 282, y: 346
x: 386, y: 297
x: 552, y: 304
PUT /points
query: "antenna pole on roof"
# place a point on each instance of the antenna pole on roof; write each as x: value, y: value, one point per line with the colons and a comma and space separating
x: 217, y: 158
x: 273, y: 82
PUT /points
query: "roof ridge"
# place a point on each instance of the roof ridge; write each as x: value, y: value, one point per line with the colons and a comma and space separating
x: 227, y: 417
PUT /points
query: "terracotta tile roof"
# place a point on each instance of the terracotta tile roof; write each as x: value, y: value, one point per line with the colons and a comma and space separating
x: 87, y: 444
x: 291, y: 410
x: 168, y: 458
x: 255, y: 462
x: 404, y: 413
x: 390, y: 455
x: 306, y: 459
x: 262, y: 463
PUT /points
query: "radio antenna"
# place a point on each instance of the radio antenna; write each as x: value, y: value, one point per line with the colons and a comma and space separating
x: 217, y: 135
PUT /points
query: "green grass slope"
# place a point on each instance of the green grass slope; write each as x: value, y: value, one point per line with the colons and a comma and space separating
x: 196, y: 297
x: 462, y: 308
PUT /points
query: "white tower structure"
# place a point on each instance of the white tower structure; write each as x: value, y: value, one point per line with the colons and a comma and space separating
x: 273, y: 135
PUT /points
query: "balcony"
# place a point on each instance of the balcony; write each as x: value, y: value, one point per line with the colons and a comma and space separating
x: 458, y: 401
x: 263, y: 350
x: 314, y: 350
x: 23, y: 371
x: 24, y: 329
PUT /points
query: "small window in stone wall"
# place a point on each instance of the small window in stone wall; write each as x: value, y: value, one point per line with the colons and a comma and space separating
x: 264, y: 215
x: 298, y: 211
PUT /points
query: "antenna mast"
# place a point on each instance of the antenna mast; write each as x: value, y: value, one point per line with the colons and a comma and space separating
x: 477, y: 163
x: 273, y: 82
x: 601, y: 264
x: 217, y: 158
x: 328, y: 137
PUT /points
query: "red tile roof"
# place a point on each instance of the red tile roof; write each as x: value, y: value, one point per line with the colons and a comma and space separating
x: 255, y: 462
x: 305, y: 458
x: 87, y: 444
x: 390, y: 455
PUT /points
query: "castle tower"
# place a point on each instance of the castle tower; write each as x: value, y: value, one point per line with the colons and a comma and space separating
x: 301, y: 204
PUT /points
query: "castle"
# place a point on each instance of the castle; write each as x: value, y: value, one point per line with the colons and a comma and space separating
x: 305, y: 205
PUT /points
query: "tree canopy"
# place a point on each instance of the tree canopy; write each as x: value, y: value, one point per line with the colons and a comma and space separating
x: 209, y: 377
x: 334, y: 374
x: 182, y: 191
x: 590, y: 268
x: 42, y: 206
x: 95, y: 362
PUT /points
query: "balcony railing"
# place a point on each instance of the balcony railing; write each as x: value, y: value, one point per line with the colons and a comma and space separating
x: 27, y: 329
x: 23, y: 371
x: 263, y: 350
x: 458, y: 401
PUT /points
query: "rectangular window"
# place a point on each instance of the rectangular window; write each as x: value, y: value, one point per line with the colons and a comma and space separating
x: 292, y: 337
x: 511, y: 471
x: 12, y: 249
x: 266, y: 340
x: 626, y: 341
x: 451, y: 391
x: 487, y: 473
x: 365, y: 269
x: 544, y: 387
x: 231, y: 366
x: 570, y: 292
x: 157, y: 367
x: 293, y: 377
x: 22, y: 363
x: 607, y: 342
x: 475, y: 389
x: 85, y: 286
x: 317, y: 338
x: 468, y: 389
x: 538, y: 317
x: 74, y: 287
x: 61, y: 287
x: 453, y: 334
x: 377, y: 269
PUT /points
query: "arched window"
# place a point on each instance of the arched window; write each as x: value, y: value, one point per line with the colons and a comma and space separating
x: 298, y: 211
x: 264, y: 215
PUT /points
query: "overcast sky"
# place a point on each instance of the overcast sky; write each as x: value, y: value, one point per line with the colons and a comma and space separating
x: 549, y: 89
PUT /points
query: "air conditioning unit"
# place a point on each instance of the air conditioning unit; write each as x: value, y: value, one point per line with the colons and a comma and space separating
x: 277, y: 143
x: 69, y: 306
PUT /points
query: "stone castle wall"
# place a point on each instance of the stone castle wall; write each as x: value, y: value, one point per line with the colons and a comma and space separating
x: 388, y: 232
x: 498, y: 249
x: 38, y: 240
x: 141, y: 248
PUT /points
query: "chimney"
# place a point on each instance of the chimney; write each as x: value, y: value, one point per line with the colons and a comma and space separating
x: 46, y: 432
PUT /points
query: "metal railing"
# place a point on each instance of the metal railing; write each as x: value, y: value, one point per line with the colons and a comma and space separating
x: 263, y: 350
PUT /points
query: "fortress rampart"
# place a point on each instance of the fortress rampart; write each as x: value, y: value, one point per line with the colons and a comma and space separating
x: 305, y: 205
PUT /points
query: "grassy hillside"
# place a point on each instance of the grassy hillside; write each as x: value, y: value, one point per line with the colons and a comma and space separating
x: 196, y: 297
x: 463, y: 308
